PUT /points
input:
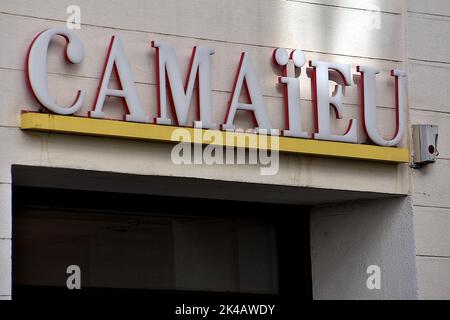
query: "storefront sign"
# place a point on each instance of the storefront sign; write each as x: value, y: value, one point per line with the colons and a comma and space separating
x: 175, y: 94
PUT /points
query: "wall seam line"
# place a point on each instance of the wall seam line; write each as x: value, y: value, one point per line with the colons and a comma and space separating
x: 200, y: 38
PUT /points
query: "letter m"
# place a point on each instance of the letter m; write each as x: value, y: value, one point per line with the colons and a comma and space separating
x: 170, y: 84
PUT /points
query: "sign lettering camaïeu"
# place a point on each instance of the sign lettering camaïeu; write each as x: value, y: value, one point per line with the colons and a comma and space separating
x: 173, y: 93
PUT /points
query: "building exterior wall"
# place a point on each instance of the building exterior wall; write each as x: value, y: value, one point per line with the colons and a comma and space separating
x: 348, y: 238
x: 428, y: 29
x: 329, y: 30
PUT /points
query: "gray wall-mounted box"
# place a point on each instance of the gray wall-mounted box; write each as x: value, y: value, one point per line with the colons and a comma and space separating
x: 425, y: 138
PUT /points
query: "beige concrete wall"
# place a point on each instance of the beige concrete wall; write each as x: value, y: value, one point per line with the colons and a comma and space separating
x: 349, y: 237
x: 326, y: 30
x: 428, y: 30
x: 330, y: 30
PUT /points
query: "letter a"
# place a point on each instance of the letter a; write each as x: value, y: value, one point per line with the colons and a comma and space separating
x: 247, y: 75
x: 117, y: 59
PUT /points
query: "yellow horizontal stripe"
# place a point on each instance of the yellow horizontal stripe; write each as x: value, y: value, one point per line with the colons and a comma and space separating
x: 154, y: 132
